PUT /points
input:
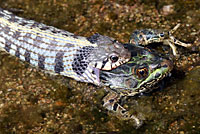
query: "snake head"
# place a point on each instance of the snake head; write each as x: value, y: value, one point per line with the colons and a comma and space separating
x: 108, y: 54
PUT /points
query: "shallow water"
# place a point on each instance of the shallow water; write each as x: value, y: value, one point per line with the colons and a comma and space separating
x: 34, y: 102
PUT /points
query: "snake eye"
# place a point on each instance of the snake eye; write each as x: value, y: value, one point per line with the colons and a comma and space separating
x: 114, y: 58
x: 142, y: 72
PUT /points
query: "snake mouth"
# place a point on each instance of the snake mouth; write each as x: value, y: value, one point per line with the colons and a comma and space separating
x: 96, y: 73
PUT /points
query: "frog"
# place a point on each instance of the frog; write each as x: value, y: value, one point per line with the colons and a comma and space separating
x: 141, y: 74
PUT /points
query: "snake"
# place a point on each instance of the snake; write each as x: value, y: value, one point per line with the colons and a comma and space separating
x: 128, y: 69
x: 59, y: 51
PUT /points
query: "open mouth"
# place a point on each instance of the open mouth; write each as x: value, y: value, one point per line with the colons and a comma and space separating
x: 96, y: 73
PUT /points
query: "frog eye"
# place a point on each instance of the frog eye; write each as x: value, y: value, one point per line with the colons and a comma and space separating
x: 114, y: 58
x: 142, y: 72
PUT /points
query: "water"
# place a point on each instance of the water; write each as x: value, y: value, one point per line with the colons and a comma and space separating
x: 34, y: 102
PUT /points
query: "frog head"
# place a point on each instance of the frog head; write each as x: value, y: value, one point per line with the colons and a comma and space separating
x: 145, y: 69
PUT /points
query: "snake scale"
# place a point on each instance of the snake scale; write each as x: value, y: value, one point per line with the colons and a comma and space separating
x: 59, y: 51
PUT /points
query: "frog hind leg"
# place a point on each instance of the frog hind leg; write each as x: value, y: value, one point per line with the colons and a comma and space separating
x: 110, y: 102
x: 146, y: 36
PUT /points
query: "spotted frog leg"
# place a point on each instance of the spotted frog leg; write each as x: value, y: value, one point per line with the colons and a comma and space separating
x: 147, y: 36
x: 111, y: 103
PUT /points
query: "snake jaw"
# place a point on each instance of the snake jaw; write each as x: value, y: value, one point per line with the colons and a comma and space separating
x: 96, y: 73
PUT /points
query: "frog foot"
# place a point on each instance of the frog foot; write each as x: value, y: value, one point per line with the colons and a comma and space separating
x: 171, y: 41
x: 110, y: 102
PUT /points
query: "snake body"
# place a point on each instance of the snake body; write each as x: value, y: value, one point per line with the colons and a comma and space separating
x: 60, y: 51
